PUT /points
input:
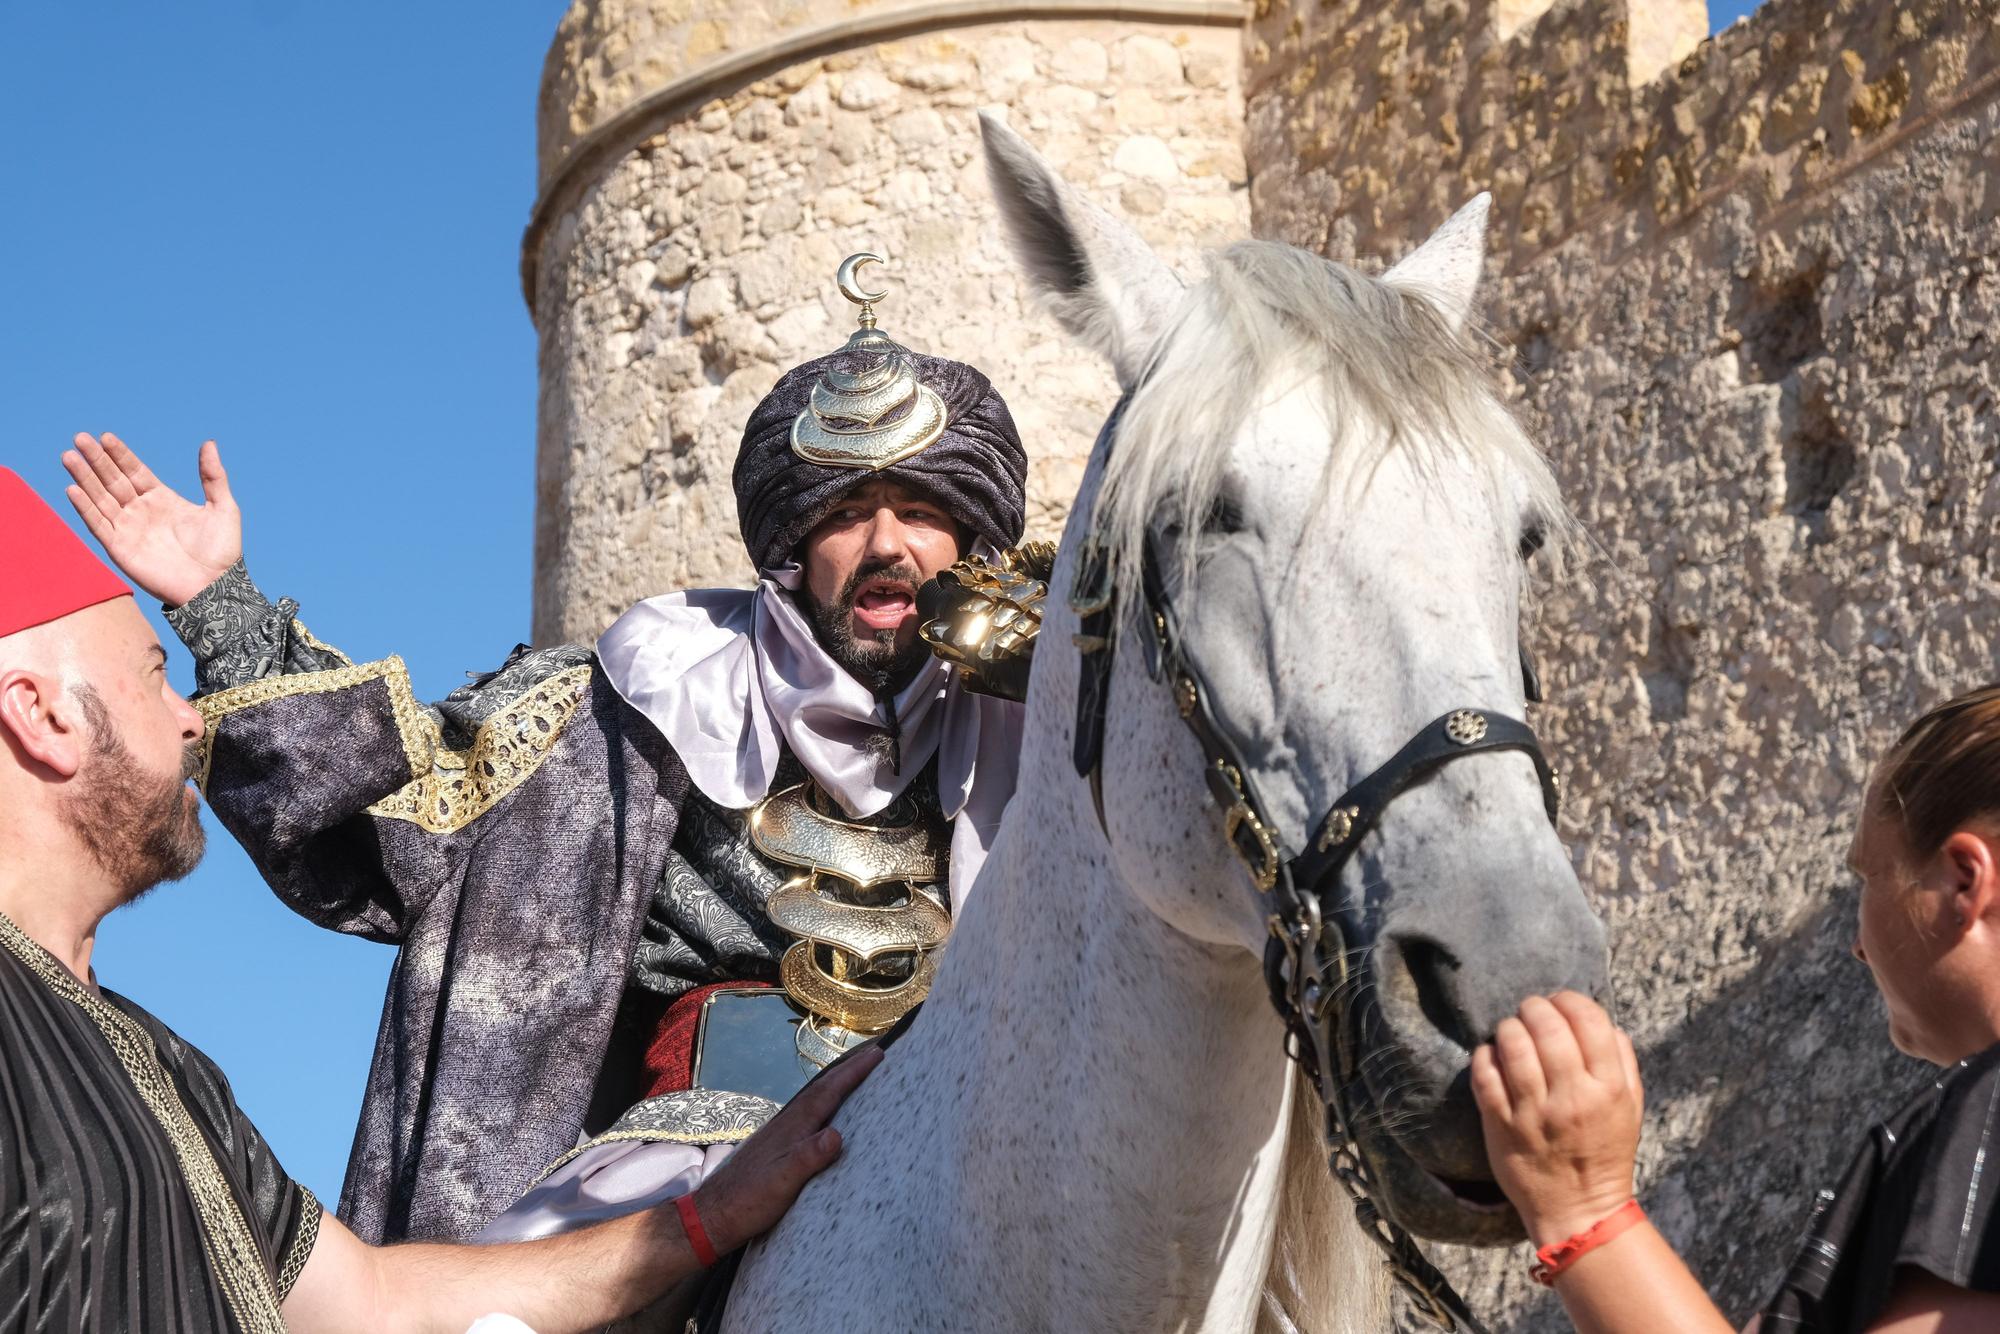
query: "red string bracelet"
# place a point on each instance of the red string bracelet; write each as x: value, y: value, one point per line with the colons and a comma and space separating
x: 697, y: 1235
x: 1556, y: 1257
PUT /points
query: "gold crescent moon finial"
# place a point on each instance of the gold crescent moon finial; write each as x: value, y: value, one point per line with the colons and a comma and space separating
x: 871, y: 411
x: 847, y: 278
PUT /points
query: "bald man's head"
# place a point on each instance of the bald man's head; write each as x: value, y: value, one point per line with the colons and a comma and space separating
x: 98, y: 745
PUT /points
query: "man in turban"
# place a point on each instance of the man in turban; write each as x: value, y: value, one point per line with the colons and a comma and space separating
x: 624, y: 871
x: 134, y: 1192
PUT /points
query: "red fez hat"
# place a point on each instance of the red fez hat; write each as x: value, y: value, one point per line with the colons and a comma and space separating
x: 46, y: 572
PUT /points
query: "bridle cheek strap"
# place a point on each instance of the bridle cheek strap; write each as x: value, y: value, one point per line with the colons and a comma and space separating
x: 1093, y: 598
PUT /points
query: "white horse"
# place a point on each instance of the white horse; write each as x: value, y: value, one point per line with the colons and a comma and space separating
x: 1093, y: 1124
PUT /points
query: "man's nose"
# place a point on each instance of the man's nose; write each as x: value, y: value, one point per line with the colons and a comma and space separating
x: 887, y: 538
x: 188, y: 716
x: 1856, y: 949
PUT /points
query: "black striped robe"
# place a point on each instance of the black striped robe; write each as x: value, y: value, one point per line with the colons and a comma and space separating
x: 134, y: 1193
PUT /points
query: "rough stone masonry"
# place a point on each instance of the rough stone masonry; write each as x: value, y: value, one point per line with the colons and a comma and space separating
x: 1745, y: 294
x: 1742, y: 288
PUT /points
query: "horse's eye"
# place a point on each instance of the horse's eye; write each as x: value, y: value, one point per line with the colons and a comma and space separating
x: 1224, y: 516
x: 1531, y: 540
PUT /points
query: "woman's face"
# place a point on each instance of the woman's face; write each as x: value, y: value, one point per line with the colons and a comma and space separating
x: 1904, y: 936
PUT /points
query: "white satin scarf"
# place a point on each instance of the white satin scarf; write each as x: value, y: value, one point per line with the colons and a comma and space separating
x: 732, y: 677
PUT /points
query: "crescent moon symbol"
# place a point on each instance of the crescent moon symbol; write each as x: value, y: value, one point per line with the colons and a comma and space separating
x: 847, y: 278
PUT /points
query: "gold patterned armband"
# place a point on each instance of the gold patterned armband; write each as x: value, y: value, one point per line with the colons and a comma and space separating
x: 990, y: 617
x: 449, y: 789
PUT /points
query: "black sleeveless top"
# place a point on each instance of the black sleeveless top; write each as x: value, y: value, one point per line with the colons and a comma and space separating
x: 1920, y: 1192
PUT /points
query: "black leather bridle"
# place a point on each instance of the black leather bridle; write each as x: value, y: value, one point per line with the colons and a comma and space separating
x: 1314, y: 924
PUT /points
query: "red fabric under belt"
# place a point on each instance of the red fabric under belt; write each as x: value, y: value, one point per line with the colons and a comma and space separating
x: 669, y: 1064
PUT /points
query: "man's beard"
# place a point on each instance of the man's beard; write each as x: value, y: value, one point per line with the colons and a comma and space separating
x: 139, y: 827
x: 871, y: 658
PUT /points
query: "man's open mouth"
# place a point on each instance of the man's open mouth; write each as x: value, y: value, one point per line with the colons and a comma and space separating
x: 884, y: 604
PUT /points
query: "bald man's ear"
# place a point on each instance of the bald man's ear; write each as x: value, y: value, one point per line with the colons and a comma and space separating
x: 42, y: 723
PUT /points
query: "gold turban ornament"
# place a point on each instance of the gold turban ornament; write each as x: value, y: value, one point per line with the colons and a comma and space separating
x: 871, y: 418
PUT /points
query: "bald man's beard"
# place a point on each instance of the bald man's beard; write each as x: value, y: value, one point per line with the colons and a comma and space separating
x: 139, y: 827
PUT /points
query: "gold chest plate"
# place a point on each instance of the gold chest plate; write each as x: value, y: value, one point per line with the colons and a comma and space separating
x: 867, y: 912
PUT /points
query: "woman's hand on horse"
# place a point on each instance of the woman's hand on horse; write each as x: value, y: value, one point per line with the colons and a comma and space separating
x: 752, y: 1189
x: 1559, y: 1095
x: 167, y: 545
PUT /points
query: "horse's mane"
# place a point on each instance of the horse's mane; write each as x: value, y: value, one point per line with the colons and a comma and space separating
x: 1395, y: 375
x: 1325, y: 1276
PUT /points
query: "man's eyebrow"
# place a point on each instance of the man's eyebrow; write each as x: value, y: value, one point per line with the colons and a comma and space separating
x: 161, y: 652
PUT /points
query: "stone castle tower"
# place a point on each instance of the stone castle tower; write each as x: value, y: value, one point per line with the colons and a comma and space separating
x: 705, y: 168
x: 1743, y: 289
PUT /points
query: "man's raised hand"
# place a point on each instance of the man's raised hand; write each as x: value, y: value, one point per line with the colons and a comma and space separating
x: 164, y: 544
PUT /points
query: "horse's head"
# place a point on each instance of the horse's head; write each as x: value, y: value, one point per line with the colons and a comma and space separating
x: 1338, y: 512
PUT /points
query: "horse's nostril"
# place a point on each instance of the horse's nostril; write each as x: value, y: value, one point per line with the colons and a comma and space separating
x: 1434, y: 972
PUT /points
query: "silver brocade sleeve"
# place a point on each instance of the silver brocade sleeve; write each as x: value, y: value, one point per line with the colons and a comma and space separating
x: 237, y: 635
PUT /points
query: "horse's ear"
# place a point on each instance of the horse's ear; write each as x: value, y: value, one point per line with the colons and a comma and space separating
x: 1096, y: 276
x: 1445, y: 269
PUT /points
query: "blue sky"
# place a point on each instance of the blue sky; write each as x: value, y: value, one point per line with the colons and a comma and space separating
x: 294, y: 228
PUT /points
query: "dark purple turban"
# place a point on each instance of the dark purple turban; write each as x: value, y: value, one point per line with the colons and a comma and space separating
x: 976, y: 469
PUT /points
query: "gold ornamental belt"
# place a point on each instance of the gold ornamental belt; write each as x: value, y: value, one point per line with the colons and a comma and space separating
x: 867, y: 907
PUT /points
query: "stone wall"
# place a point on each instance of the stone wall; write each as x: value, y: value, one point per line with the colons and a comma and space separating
x: 1745, y: 291
x: 700, y: 186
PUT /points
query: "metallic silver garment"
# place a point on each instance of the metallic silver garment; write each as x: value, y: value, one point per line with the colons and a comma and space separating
x: 1920, y: 1192
x: 705, y: 921
x: 708, y: 921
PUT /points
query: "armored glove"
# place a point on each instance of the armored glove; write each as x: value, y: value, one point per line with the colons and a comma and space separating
x: 983, y: 617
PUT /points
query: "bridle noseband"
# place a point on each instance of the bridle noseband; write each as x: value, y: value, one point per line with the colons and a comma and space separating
x: 1314, y: 925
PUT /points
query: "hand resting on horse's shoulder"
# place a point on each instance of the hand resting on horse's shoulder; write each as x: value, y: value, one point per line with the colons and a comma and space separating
x: 751, y: 1191
x: 580, y: 1280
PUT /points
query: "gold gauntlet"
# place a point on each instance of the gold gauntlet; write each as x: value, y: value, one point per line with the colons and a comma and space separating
x: 986, y: 617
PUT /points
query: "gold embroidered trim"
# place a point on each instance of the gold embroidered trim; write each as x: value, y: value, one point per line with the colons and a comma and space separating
x: 233, y: 1253
x: 410, y: 718
x: 508, y: 748
x: 313, y: 641
x: 302, y: 1244
x: 449, y: 789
